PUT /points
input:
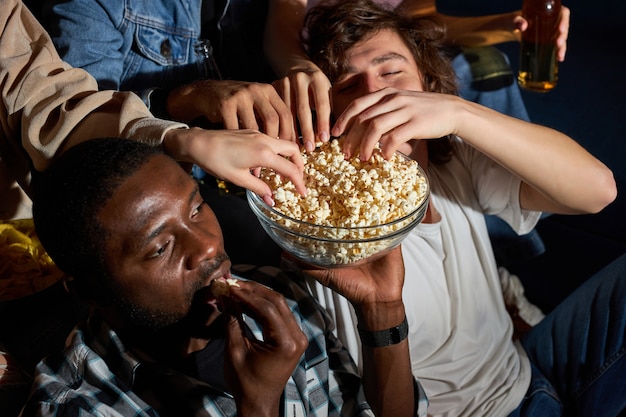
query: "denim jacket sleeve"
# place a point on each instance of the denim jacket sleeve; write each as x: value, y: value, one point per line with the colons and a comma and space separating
x: 86, y: 36
x: 130, y: 45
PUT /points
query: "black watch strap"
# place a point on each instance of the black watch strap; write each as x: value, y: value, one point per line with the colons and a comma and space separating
x: 387, y: 337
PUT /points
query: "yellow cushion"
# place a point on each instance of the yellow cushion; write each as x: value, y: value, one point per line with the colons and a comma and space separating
x: 25, y: 267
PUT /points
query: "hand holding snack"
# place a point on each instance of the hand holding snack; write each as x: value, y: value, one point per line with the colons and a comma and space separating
x: 257, y: 370
x: 221, y: 287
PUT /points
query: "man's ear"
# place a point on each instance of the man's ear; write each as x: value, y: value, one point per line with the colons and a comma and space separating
x: 88, y: 293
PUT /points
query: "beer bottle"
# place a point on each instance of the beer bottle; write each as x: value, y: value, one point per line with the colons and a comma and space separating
x: 538, y: 68
x: 207, y: 66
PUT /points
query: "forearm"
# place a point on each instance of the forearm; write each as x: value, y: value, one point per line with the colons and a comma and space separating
x: 467, y: 31
x: 283, y: 46
x: 32, y: 98
x: 481, y: 30
x: 66, y: 121
x: 51, y: 106
x: 559, y: 175
x: 387, y: 375
x: 180, y: 143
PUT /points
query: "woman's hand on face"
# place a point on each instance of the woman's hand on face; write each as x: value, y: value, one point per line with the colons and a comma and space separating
x: 306, y: 90
x: 393, y: 117
x: 257, y: 371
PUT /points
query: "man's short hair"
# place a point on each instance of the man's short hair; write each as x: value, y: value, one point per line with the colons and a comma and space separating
x: 68, y: 196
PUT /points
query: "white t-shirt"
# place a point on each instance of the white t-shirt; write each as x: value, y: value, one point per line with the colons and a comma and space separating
x: 460, y: 334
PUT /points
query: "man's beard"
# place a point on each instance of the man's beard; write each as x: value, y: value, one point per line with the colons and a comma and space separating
x: 157, y: 319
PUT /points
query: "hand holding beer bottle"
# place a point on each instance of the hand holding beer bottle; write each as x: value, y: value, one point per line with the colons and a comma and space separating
x: 538, y: 57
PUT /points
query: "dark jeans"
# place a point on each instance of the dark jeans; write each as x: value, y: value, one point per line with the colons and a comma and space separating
x: 578, y: 352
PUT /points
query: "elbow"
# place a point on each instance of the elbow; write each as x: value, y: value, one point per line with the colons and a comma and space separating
x: 606, y: 192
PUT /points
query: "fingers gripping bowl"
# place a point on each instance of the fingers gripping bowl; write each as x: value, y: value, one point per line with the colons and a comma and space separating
x: 354, y: 212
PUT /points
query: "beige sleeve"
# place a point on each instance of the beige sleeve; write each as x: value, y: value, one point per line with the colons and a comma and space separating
x: 47, y: 106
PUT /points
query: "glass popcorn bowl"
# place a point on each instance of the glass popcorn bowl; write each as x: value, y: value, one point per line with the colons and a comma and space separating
x: 334, y: 247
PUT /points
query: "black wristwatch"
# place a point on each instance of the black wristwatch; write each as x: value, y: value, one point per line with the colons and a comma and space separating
x: 387, y: 337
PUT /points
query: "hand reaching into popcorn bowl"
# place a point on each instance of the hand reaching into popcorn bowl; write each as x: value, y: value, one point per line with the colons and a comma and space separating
x: 354, y: 211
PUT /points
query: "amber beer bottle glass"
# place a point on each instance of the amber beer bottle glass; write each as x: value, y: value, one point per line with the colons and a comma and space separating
x: 538, y: 68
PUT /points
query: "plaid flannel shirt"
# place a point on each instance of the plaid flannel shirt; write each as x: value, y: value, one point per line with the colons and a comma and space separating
x: 96, y: 374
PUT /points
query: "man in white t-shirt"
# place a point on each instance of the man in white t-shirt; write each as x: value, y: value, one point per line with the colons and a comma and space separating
x: 392, y: 85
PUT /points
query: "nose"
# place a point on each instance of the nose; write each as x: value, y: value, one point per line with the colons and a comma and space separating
x: 372, y: 83
x: 201, y: 244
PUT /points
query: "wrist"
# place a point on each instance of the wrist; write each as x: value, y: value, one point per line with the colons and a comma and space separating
x: 301, y: 64
x: 180, y: 143
x: 386, y: 337
x: 260, y: 408
x: 174, y: 143
x: 380, y: 316
x: 180, y: 103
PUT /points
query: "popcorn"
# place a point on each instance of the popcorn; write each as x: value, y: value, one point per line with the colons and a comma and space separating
x: 356, y: 202
x: 348, y: 193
